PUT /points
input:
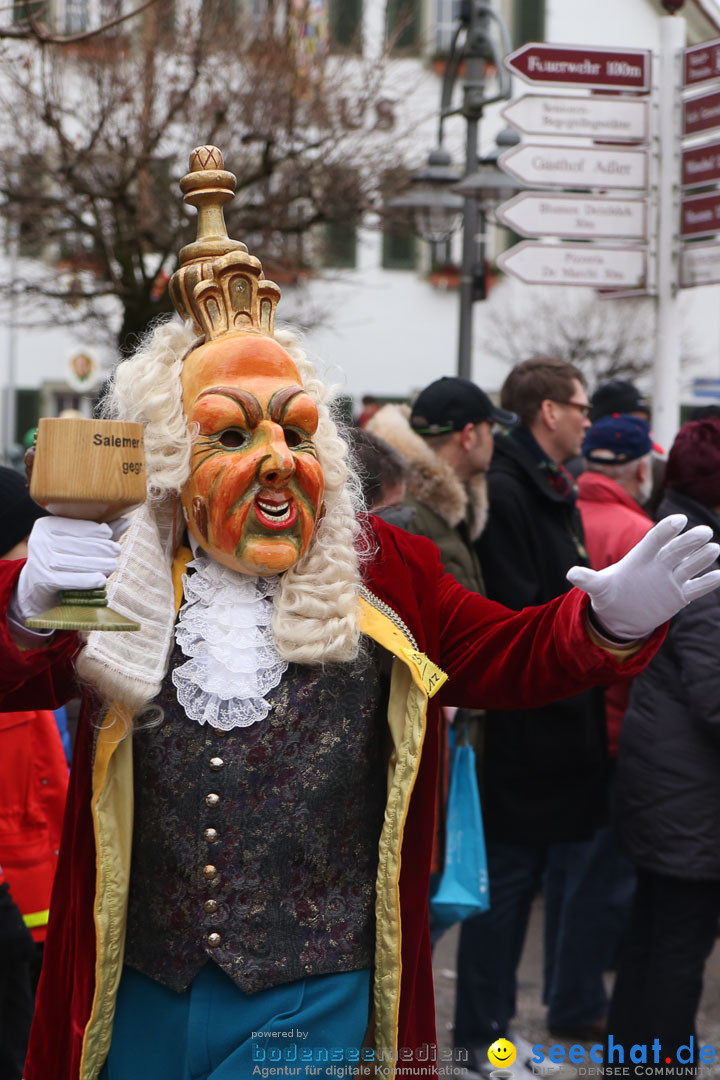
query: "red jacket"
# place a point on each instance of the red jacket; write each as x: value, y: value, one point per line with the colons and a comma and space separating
x: 613, y: 523
x: 33, y: 785
x: 492, y: 657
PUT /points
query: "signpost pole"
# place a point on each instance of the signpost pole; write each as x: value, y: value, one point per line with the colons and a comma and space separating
x: 666, y: 390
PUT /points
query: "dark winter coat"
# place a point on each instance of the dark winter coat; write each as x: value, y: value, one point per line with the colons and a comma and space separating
x: 545, y: 767
x: 669, y: 758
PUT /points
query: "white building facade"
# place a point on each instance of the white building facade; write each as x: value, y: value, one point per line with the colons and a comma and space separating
x: 383, y: 323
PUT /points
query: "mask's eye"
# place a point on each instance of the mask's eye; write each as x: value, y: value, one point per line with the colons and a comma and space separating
x: 233, y: 438
x: 293, y: 437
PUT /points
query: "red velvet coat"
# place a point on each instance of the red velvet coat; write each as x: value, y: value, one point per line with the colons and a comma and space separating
x: 494, y: 658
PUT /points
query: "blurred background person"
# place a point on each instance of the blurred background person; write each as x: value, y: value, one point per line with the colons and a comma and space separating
x: 382, y: 470
x: 617, y: 480
x: 33, y: 765
x: 668, y: 792
x: 544, y: 769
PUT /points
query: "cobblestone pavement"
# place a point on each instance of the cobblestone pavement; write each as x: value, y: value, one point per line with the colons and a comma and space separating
x: 530, y: 1021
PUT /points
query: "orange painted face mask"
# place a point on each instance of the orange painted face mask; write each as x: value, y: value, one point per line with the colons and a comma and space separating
x: 256, y: 485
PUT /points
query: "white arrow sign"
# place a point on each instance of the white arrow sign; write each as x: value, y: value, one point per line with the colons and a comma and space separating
x: 571, y: 167
x: 575, y: 264
x: 617, y: 118
x: 579, y: 216
x: 699, y: 264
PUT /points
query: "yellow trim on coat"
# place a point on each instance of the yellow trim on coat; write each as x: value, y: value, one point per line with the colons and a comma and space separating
x: 414, y: 679
x: 112, y: 814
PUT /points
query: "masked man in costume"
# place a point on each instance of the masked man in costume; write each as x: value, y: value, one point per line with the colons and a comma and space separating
x: 245, y: 859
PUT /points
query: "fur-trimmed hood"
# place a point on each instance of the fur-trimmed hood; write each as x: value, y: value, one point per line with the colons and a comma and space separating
x: 432, y: 482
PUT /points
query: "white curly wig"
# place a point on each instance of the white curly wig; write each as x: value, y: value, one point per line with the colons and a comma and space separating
x: 315, y: 618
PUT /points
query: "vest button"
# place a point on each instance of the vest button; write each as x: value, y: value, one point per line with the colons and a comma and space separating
x: 210, y: 872
x: 214, y: 940
x: 211, y: 836
x: 211, y: 906
x: 216, y: 763
x: 212, y: 799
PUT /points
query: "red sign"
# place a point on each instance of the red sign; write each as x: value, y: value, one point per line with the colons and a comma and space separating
x: 581, y: 65
x: 700, y: 215
x: 702, y: 62
x: 701, y: 165
x: 701, y: 113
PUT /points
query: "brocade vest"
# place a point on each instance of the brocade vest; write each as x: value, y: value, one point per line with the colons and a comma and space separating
x: 258, y: 847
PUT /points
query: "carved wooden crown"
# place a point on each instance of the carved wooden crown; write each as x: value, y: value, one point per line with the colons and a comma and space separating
x: 218, y: 284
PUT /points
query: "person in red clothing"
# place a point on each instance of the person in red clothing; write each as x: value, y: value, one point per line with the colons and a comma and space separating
x: 616, y: 484
x: 246, y: 849
x: 618, y: 478
x: 33, y: 786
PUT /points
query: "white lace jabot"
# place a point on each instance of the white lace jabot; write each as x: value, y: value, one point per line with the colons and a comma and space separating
x: 224, y: 628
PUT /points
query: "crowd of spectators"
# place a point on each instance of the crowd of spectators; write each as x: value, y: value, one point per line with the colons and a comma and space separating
x: 608, y: 803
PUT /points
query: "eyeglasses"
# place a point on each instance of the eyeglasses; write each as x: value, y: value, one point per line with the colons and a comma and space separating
x: 579, y: 405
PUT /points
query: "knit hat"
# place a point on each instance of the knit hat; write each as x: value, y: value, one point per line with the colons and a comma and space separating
x: 693, y: 466
x: 19, y: 512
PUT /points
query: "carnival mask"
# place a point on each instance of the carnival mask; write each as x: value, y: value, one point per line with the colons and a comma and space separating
x: 256, y: 485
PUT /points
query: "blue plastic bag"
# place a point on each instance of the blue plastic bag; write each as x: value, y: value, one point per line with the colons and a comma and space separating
x: 463, y: 888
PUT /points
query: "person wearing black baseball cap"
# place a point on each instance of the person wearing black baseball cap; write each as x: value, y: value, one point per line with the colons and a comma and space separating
x: 451, y: 403
x: 618, y: 396
x: 447, y: 441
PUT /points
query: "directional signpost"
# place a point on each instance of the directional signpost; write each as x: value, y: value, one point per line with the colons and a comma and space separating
x: 582, y: 65
x: 616, y: 118
x: 701, y: 165
x: 700, y: 264
x: 701, y: 113
x: 702, y: 62
x: 576, y: 167
x: 575, y: 216
x: 632, y: 194
x: 576, y: 264
x: 700, y: 215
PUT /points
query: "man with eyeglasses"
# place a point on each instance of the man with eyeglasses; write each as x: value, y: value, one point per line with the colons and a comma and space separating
x: 544, y: 768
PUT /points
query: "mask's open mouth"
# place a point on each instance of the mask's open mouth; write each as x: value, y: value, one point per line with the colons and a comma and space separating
x: 274, y: 514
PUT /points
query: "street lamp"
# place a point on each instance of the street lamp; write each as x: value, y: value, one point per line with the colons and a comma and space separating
x: 438, y: 200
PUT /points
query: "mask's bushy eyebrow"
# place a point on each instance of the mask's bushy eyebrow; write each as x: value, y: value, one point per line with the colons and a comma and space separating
x: 247, y: 401
x: 279, y: 402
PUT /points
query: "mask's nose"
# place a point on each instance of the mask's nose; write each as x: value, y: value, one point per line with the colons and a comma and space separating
x: 278, y: 464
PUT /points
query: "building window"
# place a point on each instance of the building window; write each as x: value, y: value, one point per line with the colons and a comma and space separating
x: 402, y: 25
x: 345, y: 24
x: 27, y: 413
x: 399, y: 249
x: 22, y: 8
x: 76, y: 16
x: 445, y: 23
x: 528, y: 21
x: 340, y: 246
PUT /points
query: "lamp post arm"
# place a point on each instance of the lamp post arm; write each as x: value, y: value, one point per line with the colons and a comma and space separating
x: 449, y: 79
x: 498, y: 51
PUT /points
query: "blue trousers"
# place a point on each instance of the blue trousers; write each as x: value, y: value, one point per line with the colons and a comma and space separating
x: 214, y: 1031
x: 588, y: 890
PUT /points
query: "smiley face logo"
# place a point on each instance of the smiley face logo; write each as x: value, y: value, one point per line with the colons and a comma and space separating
x: 501, y: 1053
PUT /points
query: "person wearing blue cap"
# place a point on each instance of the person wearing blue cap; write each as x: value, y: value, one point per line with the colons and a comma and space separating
x: 618, y: 454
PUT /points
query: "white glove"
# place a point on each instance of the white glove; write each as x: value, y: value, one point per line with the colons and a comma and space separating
x: 64, y: 553
x: 654, y: 580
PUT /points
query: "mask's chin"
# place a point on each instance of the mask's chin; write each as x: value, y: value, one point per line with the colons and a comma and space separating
x: 261, y: 557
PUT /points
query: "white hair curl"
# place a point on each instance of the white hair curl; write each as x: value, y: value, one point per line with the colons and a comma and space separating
x: 315, y: 618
